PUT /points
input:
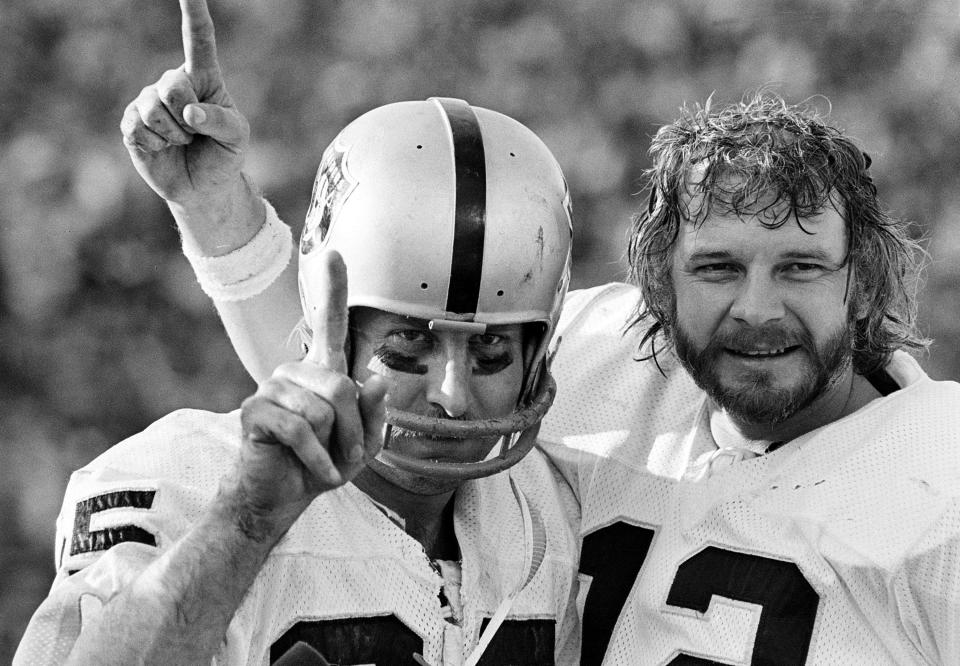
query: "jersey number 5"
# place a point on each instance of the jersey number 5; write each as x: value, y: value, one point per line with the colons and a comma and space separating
x: 614, y: 555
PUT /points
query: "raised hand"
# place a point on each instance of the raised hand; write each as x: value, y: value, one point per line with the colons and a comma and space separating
x: 184, y: 134
x: 310, y: 427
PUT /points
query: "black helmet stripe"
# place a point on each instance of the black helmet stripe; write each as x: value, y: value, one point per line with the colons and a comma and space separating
x: 471, y: 206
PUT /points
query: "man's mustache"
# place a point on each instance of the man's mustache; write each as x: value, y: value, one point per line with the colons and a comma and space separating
x: 752, y: 338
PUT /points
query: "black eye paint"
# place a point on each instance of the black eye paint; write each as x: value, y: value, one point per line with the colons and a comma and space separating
x: 491, y: 365
x: 399, y: 362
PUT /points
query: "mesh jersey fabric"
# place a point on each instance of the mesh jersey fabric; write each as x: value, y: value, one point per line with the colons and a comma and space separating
x: 840, y: 547
x: 344, y: 566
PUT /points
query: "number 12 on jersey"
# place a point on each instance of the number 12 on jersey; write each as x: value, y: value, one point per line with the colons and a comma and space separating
x: 614, y: 555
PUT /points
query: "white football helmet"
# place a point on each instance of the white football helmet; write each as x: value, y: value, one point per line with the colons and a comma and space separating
x: 454, y: 214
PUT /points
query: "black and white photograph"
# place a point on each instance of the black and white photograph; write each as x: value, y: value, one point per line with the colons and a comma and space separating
x: 480, y: 332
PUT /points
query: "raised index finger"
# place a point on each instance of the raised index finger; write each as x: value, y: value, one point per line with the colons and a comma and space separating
x: 330, y: 320
x: 199, y: 42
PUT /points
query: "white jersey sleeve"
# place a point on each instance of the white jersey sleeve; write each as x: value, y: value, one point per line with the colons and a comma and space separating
x: 118, y: 514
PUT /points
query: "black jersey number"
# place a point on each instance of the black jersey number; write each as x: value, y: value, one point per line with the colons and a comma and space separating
x: 614, y: 555
x: 386, y: 641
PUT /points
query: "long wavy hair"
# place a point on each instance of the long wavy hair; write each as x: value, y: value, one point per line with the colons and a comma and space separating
x: 763, y: 157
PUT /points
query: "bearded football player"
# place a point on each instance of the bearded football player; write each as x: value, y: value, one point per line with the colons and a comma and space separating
x: 778, y: 482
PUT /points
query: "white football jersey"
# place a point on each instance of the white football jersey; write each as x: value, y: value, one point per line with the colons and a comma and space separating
x: 345, y: 579
x: 840, y: 547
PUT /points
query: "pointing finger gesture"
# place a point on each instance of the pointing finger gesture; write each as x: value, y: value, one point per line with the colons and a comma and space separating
x: 357, y: 433
x: 184, y: 134
x: 329, y: 325
x: 310, y: 427
x: 200, y: 53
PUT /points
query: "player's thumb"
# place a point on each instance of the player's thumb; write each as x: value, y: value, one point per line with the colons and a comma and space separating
x: 224, y: 125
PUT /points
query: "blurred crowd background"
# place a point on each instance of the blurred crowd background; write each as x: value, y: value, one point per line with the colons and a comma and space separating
x: 103, y: 327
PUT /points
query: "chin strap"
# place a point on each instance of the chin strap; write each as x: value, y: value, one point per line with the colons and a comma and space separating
x: 535, y: 548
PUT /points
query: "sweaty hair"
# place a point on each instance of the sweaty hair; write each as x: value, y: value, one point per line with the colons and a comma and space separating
x: 763, y: 157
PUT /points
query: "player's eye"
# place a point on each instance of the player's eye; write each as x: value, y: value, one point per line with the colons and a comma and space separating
x: 804, y: 270
x: 717, y: 271
x: 411, y: 341
x: 487, y: 339
x: 400, y: 361
x: 491, y: 352
x: 489, y: 363
x: 410, y: 335
x: 404, y: 349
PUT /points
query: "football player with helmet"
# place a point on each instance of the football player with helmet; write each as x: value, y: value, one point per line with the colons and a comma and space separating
x: 432, y: 267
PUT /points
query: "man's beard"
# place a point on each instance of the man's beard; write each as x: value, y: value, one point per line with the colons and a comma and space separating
x: 753, y: 396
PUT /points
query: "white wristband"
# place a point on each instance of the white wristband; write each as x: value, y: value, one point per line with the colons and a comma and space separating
x: 248, y: 270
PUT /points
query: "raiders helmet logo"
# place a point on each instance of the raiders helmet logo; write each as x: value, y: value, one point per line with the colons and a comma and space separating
x: 331, y: 188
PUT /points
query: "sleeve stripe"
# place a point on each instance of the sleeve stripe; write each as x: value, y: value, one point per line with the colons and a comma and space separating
x: 85, y: 541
